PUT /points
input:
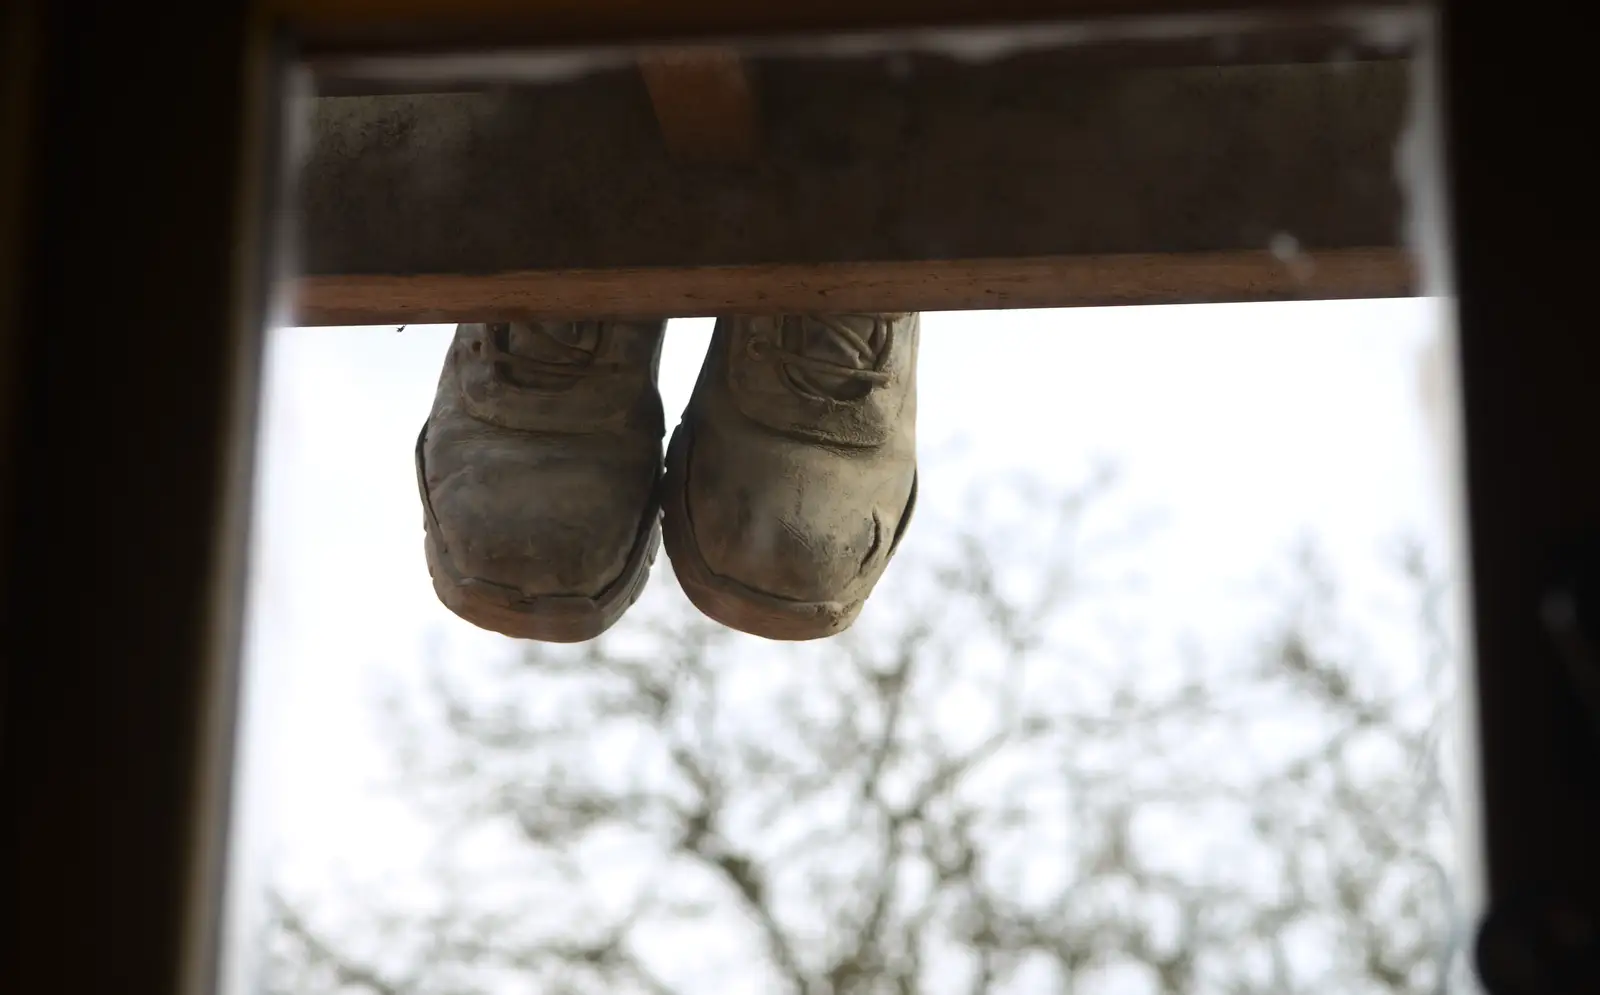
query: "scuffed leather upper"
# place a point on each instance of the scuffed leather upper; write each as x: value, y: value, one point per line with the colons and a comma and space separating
x: 801, y: 474
x: 538, y: 470
x: 778, y: 375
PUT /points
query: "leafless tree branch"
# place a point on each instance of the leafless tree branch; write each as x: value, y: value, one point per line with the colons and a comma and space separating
x: 877, y: 845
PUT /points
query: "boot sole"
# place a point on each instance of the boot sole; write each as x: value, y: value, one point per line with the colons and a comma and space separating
x: 546, y: 618
x: 723, y: 599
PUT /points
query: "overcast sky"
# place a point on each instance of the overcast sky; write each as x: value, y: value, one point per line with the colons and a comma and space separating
x: 1247, y: 426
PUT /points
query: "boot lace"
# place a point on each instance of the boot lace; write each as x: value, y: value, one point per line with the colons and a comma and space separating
x: 823, y: 359
x: 557, y: 356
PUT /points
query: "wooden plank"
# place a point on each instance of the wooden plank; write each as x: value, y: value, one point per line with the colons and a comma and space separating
x: 704, y: 104
x: 1313, y: 42
x: 420, y: 26
x: 1178, y: 278
x: 862, y: 161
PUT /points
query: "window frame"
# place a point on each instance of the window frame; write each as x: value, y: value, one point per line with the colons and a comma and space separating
x: 131, y: 328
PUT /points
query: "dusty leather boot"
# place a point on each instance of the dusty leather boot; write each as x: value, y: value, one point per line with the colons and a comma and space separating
x: 792, y: 477
x: 539, y: 468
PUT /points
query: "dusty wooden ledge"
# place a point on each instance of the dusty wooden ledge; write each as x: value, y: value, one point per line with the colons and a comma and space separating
x: 1066, y: 281
x: 695, y: 188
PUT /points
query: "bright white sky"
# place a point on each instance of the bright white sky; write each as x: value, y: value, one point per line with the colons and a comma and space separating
x: 1246, y: 425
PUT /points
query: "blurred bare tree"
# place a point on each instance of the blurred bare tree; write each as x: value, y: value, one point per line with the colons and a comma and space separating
x: 1006, y: 779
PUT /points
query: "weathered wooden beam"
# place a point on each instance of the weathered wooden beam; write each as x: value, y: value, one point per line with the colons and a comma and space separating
x: 908, y: 182
x: 1235, y: 43
x: 930, y: 285
x: 347, y: 26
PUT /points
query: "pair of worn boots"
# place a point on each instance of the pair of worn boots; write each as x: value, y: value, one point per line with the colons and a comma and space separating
x: 785, y: 491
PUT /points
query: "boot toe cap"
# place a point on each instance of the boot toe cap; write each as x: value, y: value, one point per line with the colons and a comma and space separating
x: 814, y: 529
x: 562, y: 528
